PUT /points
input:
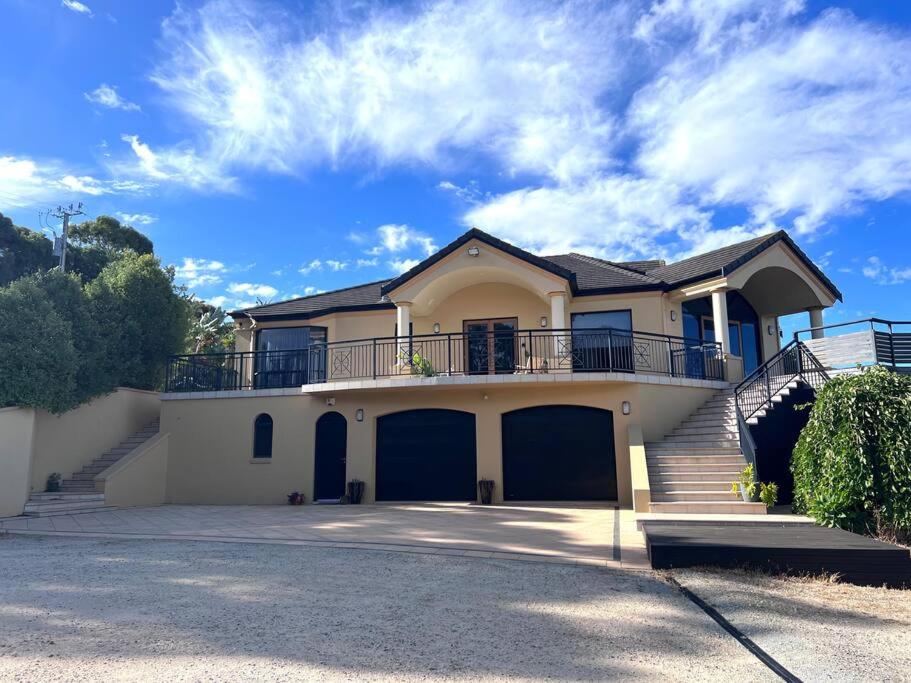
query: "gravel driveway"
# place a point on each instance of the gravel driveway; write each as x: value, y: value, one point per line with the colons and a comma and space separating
x: 86, y: 609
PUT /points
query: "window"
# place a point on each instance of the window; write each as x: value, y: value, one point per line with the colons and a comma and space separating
x: 262, y: 436
x: 602, y: 340
x: 293, y: 356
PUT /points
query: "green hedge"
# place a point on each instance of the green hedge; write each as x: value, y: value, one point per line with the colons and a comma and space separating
x: 852, y: 463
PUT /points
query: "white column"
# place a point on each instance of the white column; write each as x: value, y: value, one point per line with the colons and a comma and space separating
x: 403, y: 322
x: 720, y: 318
x: 558, y: 322
x: 557, y: 311
x: 816, y: 321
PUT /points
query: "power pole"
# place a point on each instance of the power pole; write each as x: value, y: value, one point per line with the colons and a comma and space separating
x: 65, y: 214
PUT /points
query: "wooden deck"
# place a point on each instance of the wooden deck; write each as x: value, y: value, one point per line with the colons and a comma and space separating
x: 795, y: 549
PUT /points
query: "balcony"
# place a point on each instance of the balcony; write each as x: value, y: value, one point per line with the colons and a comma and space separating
x: 512, y: 352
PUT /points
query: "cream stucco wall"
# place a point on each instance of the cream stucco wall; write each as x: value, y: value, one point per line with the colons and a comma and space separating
x: 17, y: 432
x: 482, y: 302
x: 140, y: 478
x: 65, y: 443
x: 211, y: 440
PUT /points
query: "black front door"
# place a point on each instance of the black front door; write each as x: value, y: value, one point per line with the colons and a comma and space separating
x: 490, y: 345
x: 331, y: 450
x: 559, y: 453
x: 428, y: 454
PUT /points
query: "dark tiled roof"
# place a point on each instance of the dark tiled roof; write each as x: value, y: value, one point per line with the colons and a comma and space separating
x: 727, y: 259
x: 641, y: 266
x: 596, y: 275
x: 359, y: 297
x: 586, y: 275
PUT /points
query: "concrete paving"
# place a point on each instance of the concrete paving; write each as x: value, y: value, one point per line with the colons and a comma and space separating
x: 578, y: 534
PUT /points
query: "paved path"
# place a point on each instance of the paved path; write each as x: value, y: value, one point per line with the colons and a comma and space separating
x: 85, y: 609
x: 575, y: 535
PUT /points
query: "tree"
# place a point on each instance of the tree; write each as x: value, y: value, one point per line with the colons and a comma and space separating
x: 66, y: 294
x: 37, y: 358
x: 109, y: 234
x: 92, y: 245
x: 138, y: 311
x: 210, y: 330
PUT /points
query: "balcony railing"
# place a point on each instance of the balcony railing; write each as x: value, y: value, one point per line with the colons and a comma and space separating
x: 861, y: 342
x: 491, y: 352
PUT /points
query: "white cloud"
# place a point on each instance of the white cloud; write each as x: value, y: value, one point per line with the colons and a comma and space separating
x: 273, y: 92
x: 882, y: 274
x: 26, y: 182
x: 315, y: 264
x: 398, y: 238
x: 107, y: 96
x: 367, y: 262
x: 250, y: 289
x: 137, y: 218
x: 76, y: 6
x: 176, y: 164
x: 199, y: 272
x: 809, y: 120
x: 336, y: 265
x: 401, y: 265
x: 218, y: 301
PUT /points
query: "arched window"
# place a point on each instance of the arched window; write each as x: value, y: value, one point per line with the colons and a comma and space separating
x: 262, y: 436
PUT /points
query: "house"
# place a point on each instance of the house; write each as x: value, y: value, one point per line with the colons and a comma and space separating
x: 559, y: 378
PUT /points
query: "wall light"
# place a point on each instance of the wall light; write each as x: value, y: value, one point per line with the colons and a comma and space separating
x: 330, y: 401
x: 771, y: 330
x: 436, y: 328
x: 473, y: 251
x: 625, y: 407
x: 543, y: 321
x: 359, y: 414
x: 673, y: 316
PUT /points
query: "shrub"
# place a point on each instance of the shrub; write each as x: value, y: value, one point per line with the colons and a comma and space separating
x: 852, y: 463
x: 37, y: 359
x: 143, y: 319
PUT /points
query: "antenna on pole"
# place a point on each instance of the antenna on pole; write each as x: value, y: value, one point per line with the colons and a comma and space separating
x: 64, y: 213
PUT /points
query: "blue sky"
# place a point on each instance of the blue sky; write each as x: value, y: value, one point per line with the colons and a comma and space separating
x: 275, y: 149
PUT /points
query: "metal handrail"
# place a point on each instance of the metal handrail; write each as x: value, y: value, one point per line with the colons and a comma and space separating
x: 521, y: 351
x: 832, y: 326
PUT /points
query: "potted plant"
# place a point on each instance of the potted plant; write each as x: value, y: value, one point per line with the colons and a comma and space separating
x: 768, y: 494
x: 355, y: 491
x: 53, y: 482
x: 485, y: 486
x: 746, y: 485
x: 295, y: 498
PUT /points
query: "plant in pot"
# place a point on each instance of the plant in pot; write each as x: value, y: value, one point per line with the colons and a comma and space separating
x: 53, y: 482
x: 485, y: 486
x: 295, y: 498
x: 745, y: 486
x: 355, y: 491
x: 768, y: 494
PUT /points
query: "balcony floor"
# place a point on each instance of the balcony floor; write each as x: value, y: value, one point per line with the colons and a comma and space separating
x: 410, y: 382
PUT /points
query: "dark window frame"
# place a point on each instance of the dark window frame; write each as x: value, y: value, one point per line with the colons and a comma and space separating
x: 263, y: 429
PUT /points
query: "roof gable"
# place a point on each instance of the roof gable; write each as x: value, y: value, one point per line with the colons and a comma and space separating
x: 490, y: 240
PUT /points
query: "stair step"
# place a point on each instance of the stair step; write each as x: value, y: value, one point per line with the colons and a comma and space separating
x: 52, y: 506
x: 702, y: 437
x: 678, y: 483
x: 664, y: 476
x: 710, y: 508
x: 671, y: 449
x: 692, y: 496
x: 60, y: 513
x: 63, y: 496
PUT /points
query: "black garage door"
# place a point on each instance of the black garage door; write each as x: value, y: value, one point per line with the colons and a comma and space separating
x: 426, y: 455
x: 559, y: 453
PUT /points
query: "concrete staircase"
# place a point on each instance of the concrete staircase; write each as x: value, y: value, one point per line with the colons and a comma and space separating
x: 691, y: 469
x: 777, y: 398
x: 78, y: 494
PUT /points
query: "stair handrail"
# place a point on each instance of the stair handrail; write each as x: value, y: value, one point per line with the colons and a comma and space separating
x: 808, y: 368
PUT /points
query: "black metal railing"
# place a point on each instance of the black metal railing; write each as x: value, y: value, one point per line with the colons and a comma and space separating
x: 759, y: 388
x: 469, y: 353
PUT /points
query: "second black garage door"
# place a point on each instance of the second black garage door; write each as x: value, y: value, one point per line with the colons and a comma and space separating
x: 426, y: 455
x: 559, y: 453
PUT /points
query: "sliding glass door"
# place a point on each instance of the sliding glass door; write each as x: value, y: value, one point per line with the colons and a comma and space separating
x: 289, y: 357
